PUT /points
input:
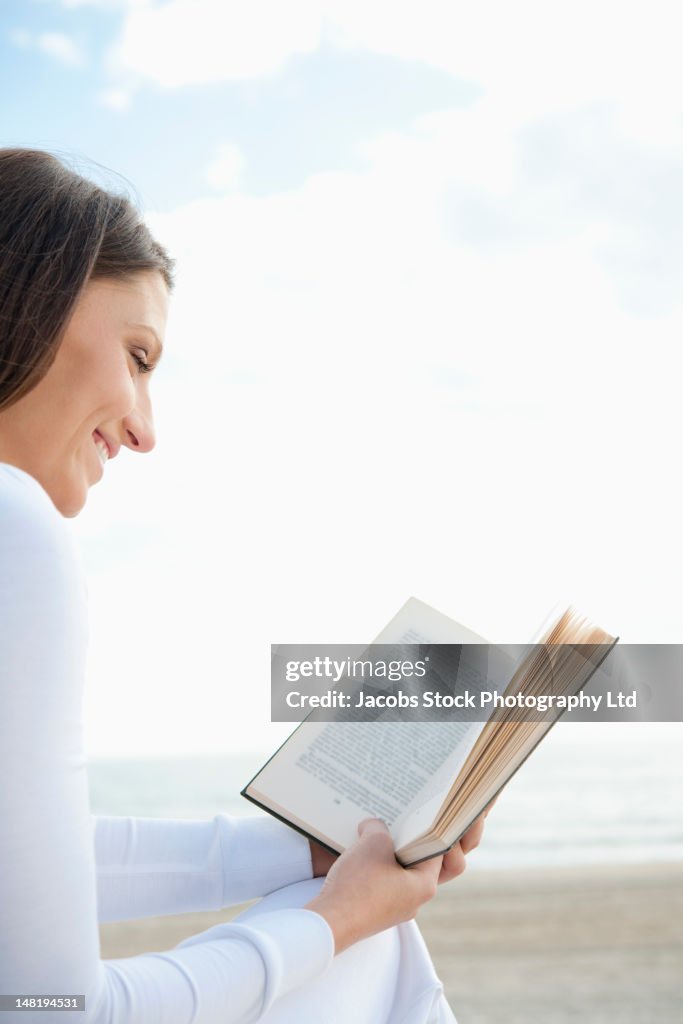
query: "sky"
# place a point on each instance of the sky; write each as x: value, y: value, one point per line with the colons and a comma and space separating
x: 425, y: 338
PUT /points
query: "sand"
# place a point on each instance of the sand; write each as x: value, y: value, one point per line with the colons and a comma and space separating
x: 600, y: 945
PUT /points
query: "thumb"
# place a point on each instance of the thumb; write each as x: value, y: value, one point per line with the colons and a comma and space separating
x: 372, y: 826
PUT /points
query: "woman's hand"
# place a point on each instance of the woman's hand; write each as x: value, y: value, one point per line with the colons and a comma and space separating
x: 366, y: 890
x: 321, y: 858
x: 453, y: 863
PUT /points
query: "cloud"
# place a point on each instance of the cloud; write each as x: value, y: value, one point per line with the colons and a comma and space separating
x: 225, y: 170
x: 190, y: 42
x: 20, y: 38
x: 62, y: 47
x: 368, y: 401
x: 453, y: 374
x: 538, y: 56
x: 103, y: 4
x: 118, y: 100
x: 544, y: 55
x: 583, y: 172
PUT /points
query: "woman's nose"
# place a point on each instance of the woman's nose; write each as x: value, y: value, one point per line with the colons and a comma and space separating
x: 138, y: 430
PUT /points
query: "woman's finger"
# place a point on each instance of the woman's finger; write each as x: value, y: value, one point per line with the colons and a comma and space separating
x: 429, y: 873
x: 472, y: 837
x: 490, y: 805
x: 453, y: 864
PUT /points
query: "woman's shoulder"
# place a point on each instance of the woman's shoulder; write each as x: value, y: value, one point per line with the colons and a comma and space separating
x: 27, y: 513
x: 17, y: 481
x: 41, y: 576
x: 20, y: 492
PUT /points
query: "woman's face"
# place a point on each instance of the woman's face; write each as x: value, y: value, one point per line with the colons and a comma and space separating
x: 95, y: 398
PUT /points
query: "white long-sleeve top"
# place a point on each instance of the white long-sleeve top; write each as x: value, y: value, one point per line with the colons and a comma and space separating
x: 59, y: 866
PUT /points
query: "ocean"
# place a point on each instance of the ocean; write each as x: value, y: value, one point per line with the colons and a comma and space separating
x: 589, y: 794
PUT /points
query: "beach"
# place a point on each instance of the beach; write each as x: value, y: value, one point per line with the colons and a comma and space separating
x: 598, y: 944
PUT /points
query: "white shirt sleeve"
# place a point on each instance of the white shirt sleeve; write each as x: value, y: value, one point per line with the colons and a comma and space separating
x: 148, y: 866
x: 49, y: 941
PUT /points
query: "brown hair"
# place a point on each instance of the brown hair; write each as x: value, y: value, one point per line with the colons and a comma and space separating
x: 58, y: 230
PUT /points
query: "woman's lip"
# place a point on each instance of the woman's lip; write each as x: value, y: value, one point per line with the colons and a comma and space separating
x: 112, y: 448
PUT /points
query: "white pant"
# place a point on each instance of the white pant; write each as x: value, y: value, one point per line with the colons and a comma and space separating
x: 386, y: 979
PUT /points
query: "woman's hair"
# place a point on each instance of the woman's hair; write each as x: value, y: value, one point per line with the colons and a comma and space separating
x: 57, y: 232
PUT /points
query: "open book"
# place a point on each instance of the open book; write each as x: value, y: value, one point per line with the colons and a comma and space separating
x: 427, y: 779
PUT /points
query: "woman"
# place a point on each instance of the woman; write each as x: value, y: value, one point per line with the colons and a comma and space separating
x: 83, y: 303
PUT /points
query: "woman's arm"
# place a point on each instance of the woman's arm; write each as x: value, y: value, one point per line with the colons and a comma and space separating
x: 49, y: 940
x: 148, y: 866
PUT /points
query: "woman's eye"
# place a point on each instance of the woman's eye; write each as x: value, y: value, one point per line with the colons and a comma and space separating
x: 142, y: 364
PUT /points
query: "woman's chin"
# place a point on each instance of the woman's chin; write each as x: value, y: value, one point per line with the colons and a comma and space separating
x: 71, y: 510
x: 69, y: 502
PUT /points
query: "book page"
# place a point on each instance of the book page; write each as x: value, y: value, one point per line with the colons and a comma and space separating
x: 417, y: 622
x: 342, y: 772
x: 327, y: 777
